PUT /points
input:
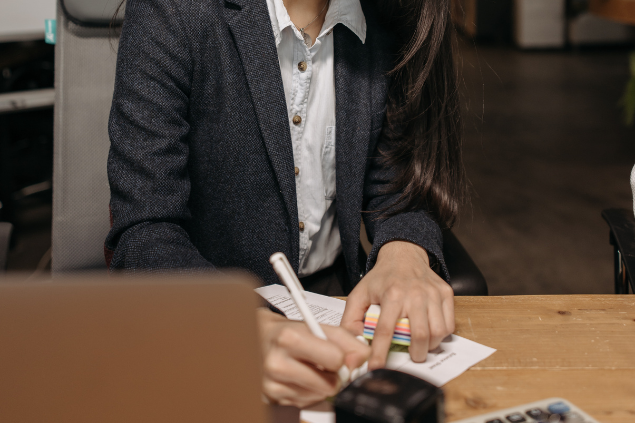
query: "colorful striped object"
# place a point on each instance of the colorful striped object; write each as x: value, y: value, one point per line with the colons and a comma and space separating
x: 402, y: 330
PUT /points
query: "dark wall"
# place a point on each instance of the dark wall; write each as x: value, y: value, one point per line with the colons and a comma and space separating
x: 495, y: 20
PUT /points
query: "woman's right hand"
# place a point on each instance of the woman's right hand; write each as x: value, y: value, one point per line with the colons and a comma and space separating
x: 300, y: 369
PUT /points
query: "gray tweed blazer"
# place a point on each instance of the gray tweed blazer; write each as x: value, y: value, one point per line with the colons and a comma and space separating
x: 201, y: 165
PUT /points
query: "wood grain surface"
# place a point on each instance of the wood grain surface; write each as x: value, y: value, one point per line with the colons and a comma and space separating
x: 578, y: 347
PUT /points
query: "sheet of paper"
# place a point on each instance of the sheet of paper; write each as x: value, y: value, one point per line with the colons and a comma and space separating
x: 326, y: 310
x: 319, y: 413
x: 309, y: 416
x: 453, y: 357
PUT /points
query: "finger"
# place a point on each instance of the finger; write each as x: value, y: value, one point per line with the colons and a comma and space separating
x: 448, y: 314
x: 286, y: 370
x: 289, y: 394
x: 356, y: 305
x: 390, y: 313
x: 355, y: 352
x: 419, y: 331
x: 436, y: 321
x: 302, y: 345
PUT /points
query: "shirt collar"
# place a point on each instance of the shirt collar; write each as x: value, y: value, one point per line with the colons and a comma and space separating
x: 346, y: 12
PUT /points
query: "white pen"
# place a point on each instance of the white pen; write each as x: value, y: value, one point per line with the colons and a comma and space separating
x: 290, y: 280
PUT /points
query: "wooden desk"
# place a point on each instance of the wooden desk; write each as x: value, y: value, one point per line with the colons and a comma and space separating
x: 617, y: 10
x: 578, y: 347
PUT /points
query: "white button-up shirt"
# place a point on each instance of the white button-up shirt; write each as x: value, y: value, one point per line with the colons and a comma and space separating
x: 310, y: 97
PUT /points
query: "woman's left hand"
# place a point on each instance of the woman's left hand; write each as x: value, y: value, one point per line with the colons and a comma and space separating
x: 404, y: 285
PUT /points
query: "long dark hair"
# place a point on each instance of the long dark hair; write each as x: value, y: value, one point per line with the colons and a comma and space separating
x: 423, y: 130
x: 116, y: 20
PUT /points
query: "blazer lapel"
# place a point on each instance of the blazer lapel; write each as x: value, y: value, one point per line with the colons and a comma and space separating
x: 250, y: 24
x: 353, y: 122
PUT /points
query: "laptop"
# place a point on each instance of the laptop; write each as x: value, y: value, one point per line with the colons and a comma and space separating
x: 94, y: 349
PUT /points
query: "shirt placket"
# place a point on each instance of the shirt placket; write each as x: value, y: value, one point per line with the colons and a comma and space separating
x: 302, y: 73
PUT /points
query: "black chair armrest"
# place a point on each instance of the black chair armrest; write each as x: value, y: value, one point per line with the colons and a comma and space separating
x: 622, y: 236
x: 5, y: 238
x: 465, y: 276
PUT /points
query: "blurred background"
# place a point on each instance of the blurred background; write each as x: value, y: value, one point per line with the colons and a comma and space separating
x: 548, y: 142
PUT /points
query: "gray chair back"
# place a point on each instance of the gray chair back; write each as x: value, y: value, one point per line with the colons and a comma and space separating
x: 85, y: 57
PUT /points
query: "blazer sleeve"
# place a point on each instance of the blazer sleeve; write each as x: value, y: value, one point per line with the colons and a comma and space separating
x: 417, y: 226
x: 148, y: 128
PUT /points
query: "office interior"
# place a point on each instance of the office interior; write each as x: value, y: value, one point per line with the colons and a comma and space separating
x: 546, y: 145
x: 549, y: 145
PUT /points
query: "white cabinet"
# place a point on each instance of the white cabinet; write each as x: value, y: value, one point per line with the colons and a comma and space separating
x: 539, y: 23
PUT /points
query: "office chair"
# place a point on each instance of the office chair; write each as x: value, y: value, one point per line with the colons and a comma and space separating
x: 5, y: 238
x: 85, y: 60
x: 85, y: 71
x: 622, y: 237
x: 465, y: 276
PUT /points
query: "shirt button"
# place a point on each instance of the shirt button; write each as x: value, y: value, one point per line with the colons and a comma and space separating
x: 296, y: 170
x: 302, y: 66
x: 297, y: 120
x: 301, y: 225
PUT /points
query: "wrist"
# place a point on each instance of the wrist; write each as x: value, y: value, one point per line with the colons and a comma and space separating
x: 403, y: 250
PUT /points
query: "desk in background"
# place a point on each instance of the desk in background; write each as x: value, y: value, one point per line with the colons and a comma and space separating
x: 578, y: 347
x: 618, y: 10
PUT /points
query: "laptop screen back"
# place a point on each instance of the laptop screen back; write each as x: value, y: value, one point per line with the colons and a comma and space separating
x: 115, y: 350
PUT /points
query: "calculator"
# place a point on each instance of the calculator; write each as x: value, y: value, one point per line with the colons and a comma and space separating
x: 551, y: 410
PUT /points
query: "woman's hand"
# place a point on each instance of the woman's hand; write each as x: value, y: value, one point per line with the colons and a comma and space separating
x: 300, y: 369
x: 403, y: 284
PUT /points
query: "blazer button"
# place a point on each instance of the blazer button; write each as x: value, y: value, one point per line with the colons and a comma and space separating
x: 297, y: 120
x: 301, y: 225
x: 302, y: 66
x: 296, y: 170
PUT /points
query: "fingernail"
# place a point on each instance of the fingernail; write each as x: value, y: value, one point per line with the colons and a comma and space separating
x: 362, y: 339
x: 344, y: 374
x: 360, y: 371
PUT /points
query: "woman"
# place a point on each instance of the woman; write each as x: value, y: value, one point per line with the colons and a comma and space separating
x: 244, y: 127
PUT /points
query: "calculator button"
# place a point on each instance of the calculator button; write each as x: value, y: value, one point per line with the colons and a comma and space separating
x: 516, y: 418
x: 494, y: 421
x: 538, y: 414
x: 535, y: 413
x: 558, y: 408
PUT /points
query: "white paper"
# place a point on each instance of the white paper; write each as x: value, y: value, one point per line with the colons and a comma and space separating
x: 453, y: 357
x: 326, y: 310
x: 321, y: 412
x: 309, y: 416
